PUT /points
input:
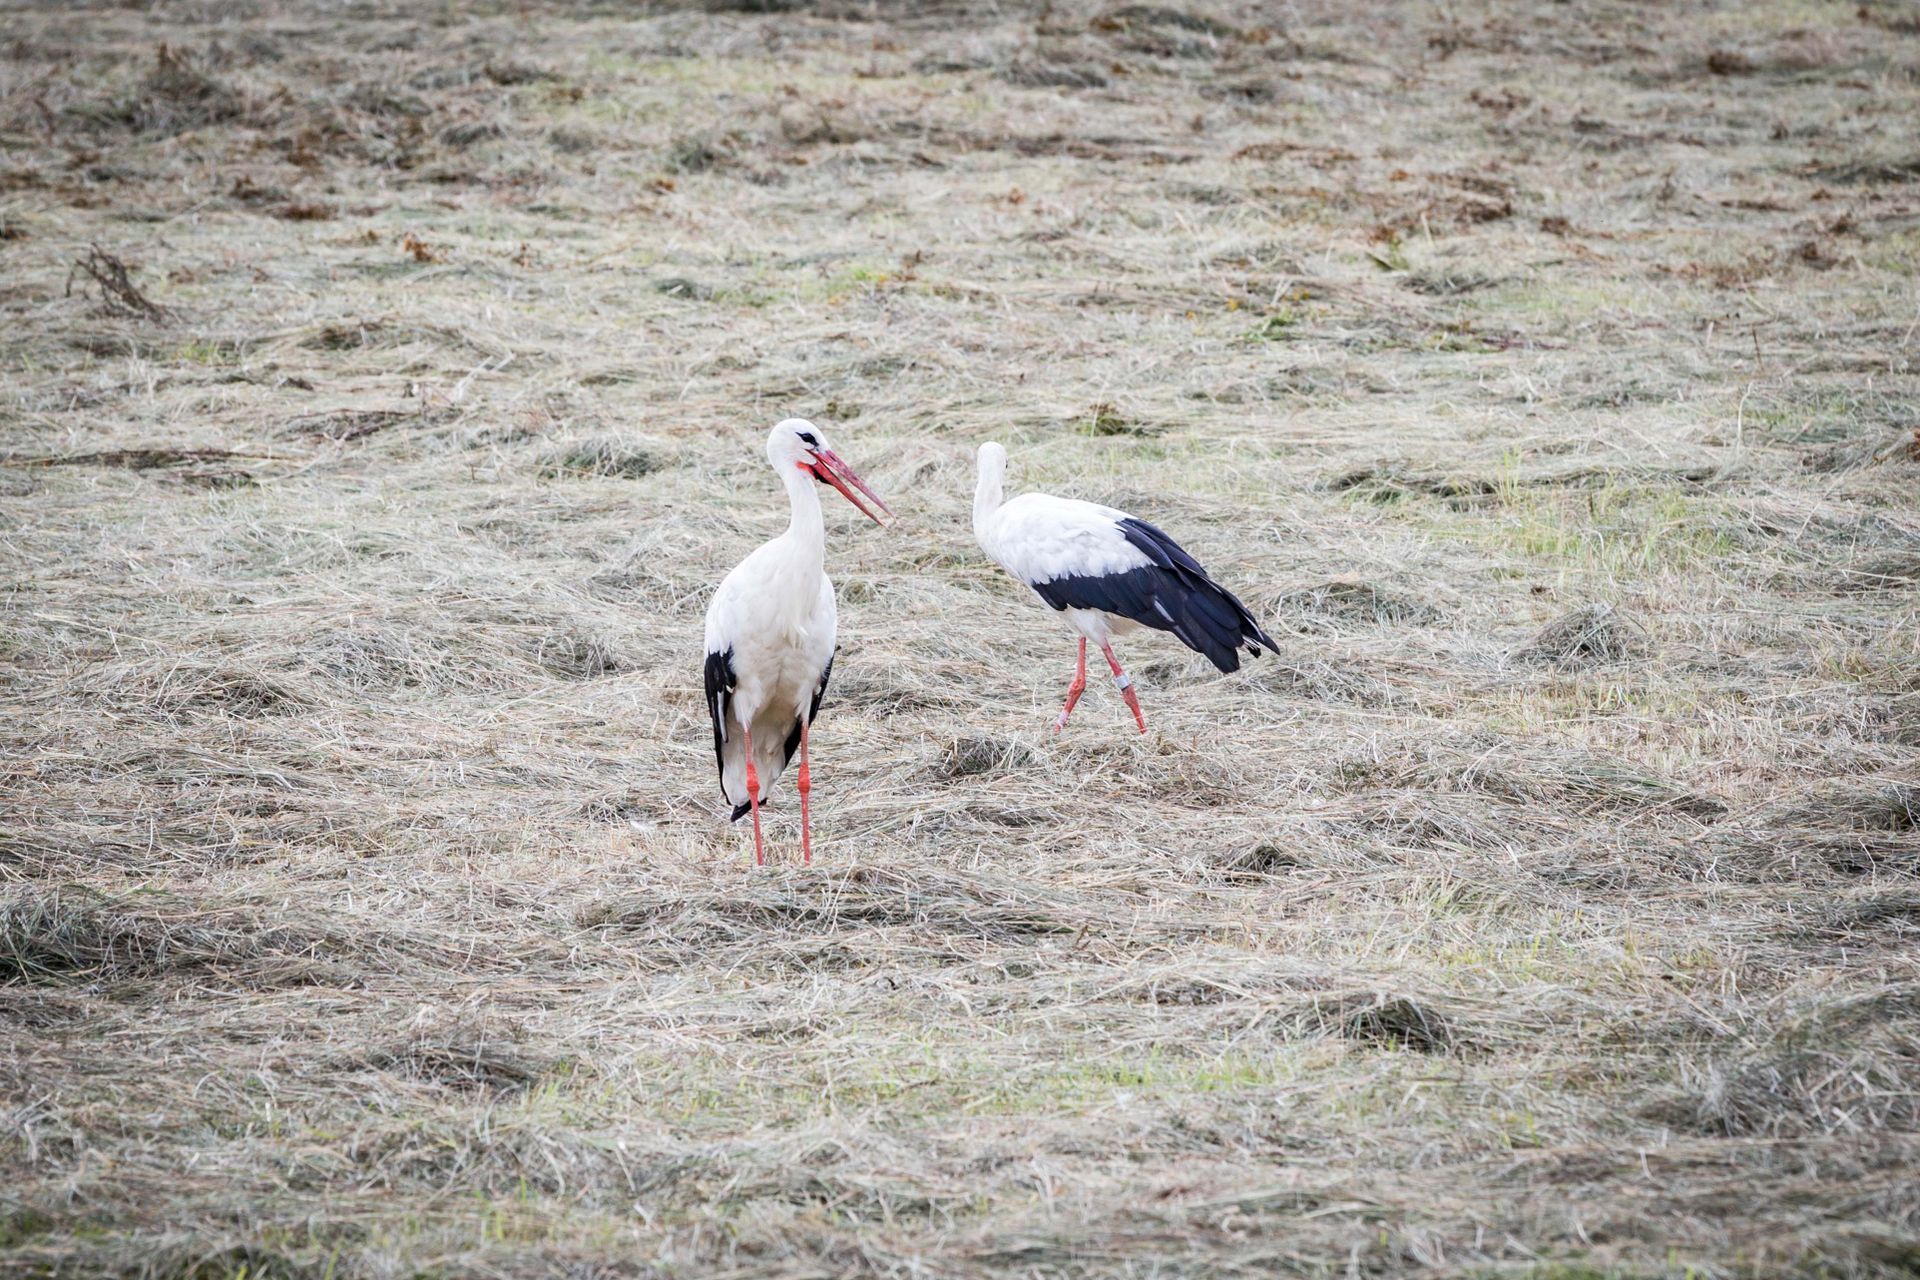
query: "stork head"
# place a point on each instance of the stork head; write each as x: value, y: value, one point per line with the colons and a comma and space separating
x: 798, y: 443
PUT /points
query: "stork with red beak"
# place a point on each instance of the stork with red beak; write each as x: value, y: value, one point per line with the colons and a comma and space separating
x: 1107, y: 573
x: 770, y: 631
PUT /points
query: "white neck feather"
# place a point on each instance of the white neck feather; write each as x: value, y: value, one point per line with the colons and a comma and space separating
x: 807, y: 530
x: 987, y: 494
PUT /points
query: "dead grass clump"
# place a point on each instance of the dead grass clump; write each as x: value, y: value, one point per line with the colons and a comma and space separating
x: 469, y: 1058
x: 1730, y: 62
x: 685, y: 289
x: 697, y: 153
x: 175, y: 96
x: 1600, y: 784
x: 1852, y: 827
x: 922, y: 902
x: 1034, y: 74
x: 1585, y: 637
x: 1867, y: 805
x: 888, y: 690
x: 369, y: 657
x: 644, y: 583
x: 1187, y: 991
x: 171, y: 1257
x: 1597, y: 782
x: 232, y: 690
x: 151, y: 459
x: 509, y: 73
x: 117, y: 292
x: 1160, y: 15
x: 36, y: 1008
x: 1105, y: 420
x: 1351, y: 602
x: 576, y: 142
x: 1889, y: 572
x: 1840, y: 1066
x: 1385, y: 482
x: 1890, y: 15
x: 1799, y: 855
x: 1415, y: 821
x: 1906, y: 448
x: 602, y: 457
x: 1324, y: 681
x: 1259, y: 861
x: 1870, y: 171
x: 621, y: 808
x: 75, y: 935
x: 579, y: 657
x: 977, y: 754
x: 468, y: 133
x: 1880, y: 919
x: 1448, y: 282
x: 347, y: 426
x: 1587, y: 782
x: 347, y: 336
x: 1383, y: 1021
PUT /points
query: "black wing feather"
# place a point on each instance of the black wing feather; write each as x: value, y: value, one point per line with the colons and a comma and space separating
x: 720, y: 683
x: 1170, y: 593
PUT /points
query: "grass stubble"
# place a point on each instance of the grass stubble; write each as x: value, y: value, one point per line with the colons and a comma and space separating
x: 1543, y: 375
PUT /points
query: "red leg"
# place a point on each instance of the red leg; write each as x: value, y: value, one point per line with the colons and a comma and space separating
x: 1075, y: 689
x: 753, y: 799
x: 1123, y: 682
x: 806, y: 789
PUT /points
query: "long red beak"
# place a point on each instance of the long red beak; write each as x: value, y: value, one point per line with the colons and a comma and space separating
x: 829, y: 467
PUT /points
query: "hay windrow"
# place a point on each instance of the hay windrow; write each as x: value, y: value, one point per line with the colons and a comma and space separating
x: 1583, y: 637
x: 74, y: 936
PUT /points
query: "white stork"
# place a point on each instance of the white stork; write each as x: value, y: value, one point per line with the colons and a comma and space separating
x: 770, y: 634
x: 1107, y: 574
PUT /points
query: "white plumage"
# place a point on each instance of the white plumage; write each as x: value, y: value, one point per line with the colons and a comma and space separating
x: 1108, y: 574
x: 770, y: 634
x: 778, y: 640
x: 1039, y: 538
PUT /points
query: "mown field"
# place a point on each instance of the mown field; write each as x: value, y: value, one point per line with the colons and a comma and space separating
x: 384, y: 390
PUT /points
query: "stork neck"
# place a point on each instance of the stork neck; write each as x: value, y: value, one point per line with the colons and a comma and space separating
x: 807, y: 529
x: 986, y: 498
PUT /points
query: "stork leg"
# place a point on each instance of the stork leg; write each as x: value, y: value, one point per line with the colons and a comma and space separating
x: 806, y: 789
x: 1075, y: 689
x: 1124, y: 683
x: 753, y: 799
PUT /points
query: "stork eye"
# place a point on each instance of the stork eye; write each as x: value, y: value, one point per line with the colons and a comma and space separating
x: 807, y: 438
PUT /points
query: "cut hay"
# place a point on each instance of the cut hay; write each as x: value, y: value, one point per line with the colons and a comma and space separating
x: 1585, y: 636
x: 1545, y: 907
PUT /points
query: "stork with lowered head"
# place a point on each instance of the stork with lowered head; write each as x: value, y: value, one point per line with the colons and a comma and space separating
x: 1107, y: 573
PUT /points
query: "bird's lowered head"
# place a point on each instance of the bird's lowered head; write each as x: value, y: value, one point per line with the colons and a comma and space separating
x: 993, y: 460
x: 797, y: 443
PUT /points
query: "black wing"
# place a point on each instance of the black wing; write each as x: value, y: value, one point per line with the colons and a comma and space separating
x: 720, y: 682
x: 1171, y: 593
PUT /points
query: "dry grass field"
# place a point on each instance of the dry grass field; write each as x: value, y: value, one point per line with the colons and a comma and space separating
x: 1544, y: 374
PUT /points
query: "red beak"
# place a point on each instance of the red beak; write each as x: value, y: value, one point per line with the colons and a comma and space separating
x: 828, y: 466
